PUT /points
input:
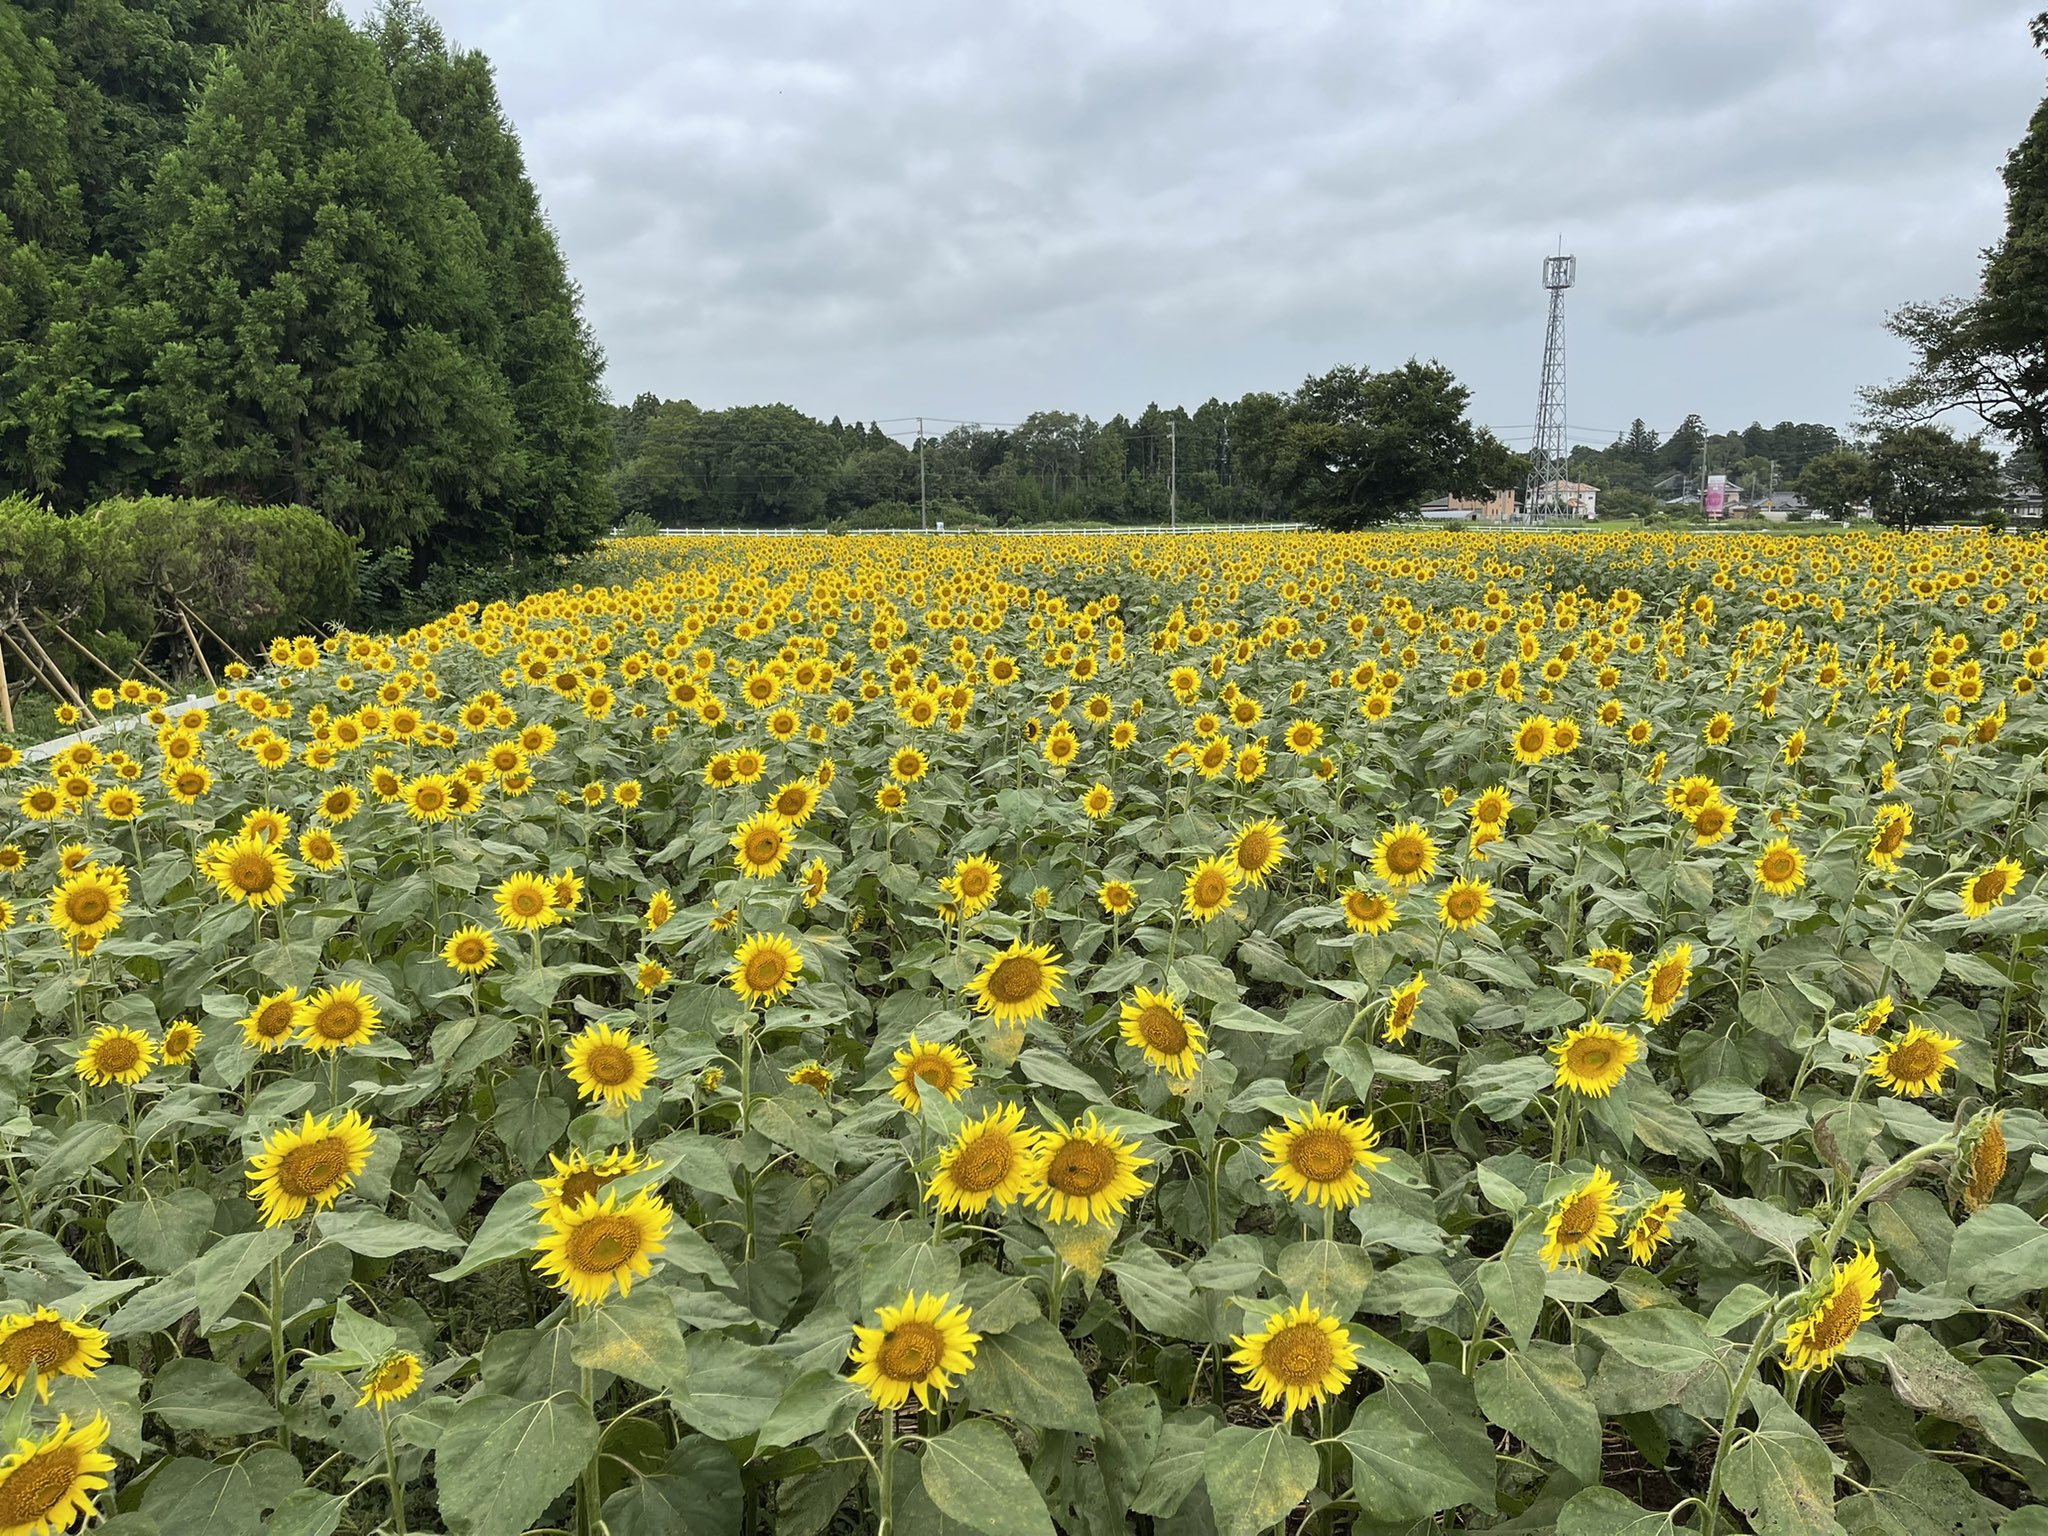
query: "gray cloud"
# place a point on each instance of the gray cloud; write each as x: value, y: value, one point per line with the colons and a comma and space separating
x: 981, y: 211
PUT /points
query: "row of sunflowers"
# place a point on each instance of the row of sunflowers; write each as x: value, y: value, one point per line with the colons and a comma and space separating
x: 1220, y: 1034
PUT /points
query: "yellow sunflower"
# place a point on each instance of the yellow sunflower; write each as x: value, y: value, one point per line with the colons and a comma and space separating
x: 815, y: 877
x: 47, y: 1485
x: 609, y: 1064
x: 1617, y: 963
x: 526, y: 903
x: 1098, y: 802
x: 923, y: 1346
x: 1981, y: 1159
x: 338, y: 1018
x: 1532, y: 739
x: 814, y: 1075
x: 1402, y: 1004
x: 976, y: 880
x: 1712, y: 822
x: 921, y: 1064
x: 1582, y: 1223
x: 1209, y: 888
x: 46, y: 1344
x: 1301, y: 1356
x: 1322, y: 1156
x: 989, y: 1159
x: 1847, y: 1300
x: 1256, y: 851
x: 1117, y: 897
x: 596, y: 1244
x: 1913, y: 1064
x: 577, y: 1179
x: 1492, y: 807
x: 395, y: 1378
x: 761, y: 845
x: 1780, y: 868
x: 181, y: 1040
x: 1894, y: 828
x: 1652, y: 1229
x: 470, y: 950
x: 1664, y: 983
x: 1156, y: 1024
x: 86, y: 906
x: 1593, y: 1059
x: 1465, y: 904
x: 116, y: 1055
x: 1990, y: 887
x: 1085, y: 1172
x: 427, y: 799
x: 764, y: 967
x: 1019, y: 984
x: 1369, y: 912
x: 276, y: 1017
x: 250, y: 870
x: 1404, y: 855
x: 308, y: 1164
x: 794, y: 801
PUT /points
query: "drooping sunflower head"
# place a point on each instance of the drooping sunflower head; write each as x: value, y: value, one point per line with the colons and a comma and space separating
x: 1086, y: 1172
x: 1155, y: 1023
x: 596, y: 1244
x: 1404, y: 855
x: 1593, y: 1058
x: 764, y: 967
x: 116, y: 1055
x: 309, y: 1164
x: 1981, y: 1159
x: 1018, y: 984
x: 1913, y: 1064
x: 1322, y: 1156
x: 1302, y: 1356
x: 1582, y: 1223
x: 922, y: 1346
x: 1837, y: 1307
x: 988, y: 1160
x: 1617, y: 963
x: 814, y: 1075
x: 609, y: 1065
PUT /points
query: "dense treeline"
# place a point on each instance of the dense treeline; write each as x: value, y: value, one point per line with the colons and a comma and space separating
x: 251, y: 252
x: 1642, y: 469
x: 1348, y: 448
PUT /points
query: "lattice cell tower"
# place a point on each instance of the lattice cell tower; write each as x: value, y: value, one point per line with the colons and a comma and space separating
x: 1547, y: 455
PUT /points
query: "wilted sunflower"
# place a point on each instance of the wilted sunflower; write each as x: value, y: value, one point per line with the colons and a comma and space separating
x: 577, y: 1179
x: 470, y: 950
x: 1838, y: 1307
x: 47, y: 1485
x: 921, y: 1064
x: 921, y: 1346
x: 1652, y: 1229
x: 1780, y: 868
x: 86, y: 906
x: 1256, y: 851
x: 1980, y: 1159
x: 275, y: 1019
x: 609, y: 1064
x: 596, y: 1244
x: 1464, y: 905
x: 116, y: 1055
x: 526, y: 903
x: 1209, y: 888
x: 1912, y: 1065
x: 1019, y: 984
x: 1664, y: 983
x: 339, y: 1018
x: 764, y: 967
x: 1085, y: 1172
x: 308, y: 1164
x: 46, y: 1344
x: 761, y: 845
x: 1301, y: 1356
x: 1582, y: 1223
x: 1990, y: 887
x: 1321, y: 1156
x: 988, y: 1159
x: 1155, y: 1023
x: 1404, y: 856
x: 1593, y: 1059
x: 395, y: 1378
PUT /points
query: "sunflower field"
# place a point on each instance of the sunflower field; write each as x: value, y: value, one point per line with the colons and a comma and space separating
x: 1314, y: 1033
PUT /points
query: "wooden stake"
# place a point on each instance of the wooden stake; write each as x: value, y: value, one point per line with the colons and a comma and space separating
x: 196, y: 651
x: 30, y: 662
x: 140, y: 665
x: 213, y: 632
x: 67, y: 686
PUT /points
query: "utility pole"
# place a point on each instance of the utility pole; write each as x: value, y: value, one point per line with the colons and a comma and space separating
x: 1172, y: 477
x: 923, y: 526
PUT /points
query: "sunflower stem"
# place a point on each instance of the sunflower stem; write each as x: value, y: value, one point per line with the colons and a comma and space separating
x: 885, y: 1522
x: 284, y: 1434
x: 391, y: 1474
x: 2012, y: 985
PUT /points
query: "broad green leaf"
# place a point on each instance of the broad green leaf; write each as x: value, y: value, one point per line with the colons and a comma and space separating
x: 220, y: 1497
x: 731, y: 1388
x: 1606, y: 1512
x: 510, y: 1230
x: 1780, y: 1473
x: 1999, y: 1255
x: 204, y: 1395
x: 160, y: 1232
x: 1256, y: 1477
x: 377, y: 1236
x: 223, y: 1272
x: 632, y: 1336
x: 499, y: 1463
x: 1176, y: 1467
x: 1928, y: 1499
x: 1418, y: 1450
x: 1657, y: 1338
x: 972, y: 1474
x: 697, y: 1492
x: 1513, y: 1286
x: 1332, y: 1275
x: 1538, y: 1394
x: 1030, y: 1375
x: 1927, y: 1377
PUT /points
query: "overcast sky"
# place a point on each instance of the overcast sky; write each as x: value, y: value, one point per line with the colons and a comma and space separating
x: 978, y: 211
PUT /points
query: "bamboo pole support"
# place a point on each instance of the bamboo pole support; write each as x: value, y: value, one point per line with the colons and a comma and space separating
x: 140, y: 665
x: 34, y: 668
x: 196, y: 650
x: 66, y: 688
x: 200, y: 618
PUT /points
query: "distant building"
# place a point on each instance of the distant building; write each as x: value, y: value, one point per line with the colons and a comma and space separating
x: 1499, y: 508
x: 1567, y: 498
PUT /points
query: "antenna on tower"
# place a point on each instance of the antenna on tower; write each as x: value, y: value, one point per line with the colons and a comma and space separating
x: 1544, y: 496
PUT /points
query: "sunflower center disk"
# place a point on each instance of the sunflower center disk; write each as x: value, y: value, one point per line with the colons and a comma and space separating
x: 1162, y: 1031
x: 609, y: 1064
x: 37, y: 1486
x: 1299, y: 1355
x: 1016, y: 980
x: 1321, y: 1155
x: 312, y: 1169
x: 43, y: 1345
x: 604, y: 1243
x: 1575, y: 1224
x: 912, y: 1351
x: 117, y: 1055
x: 983, y: 1163
x: 1080, y: 1168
